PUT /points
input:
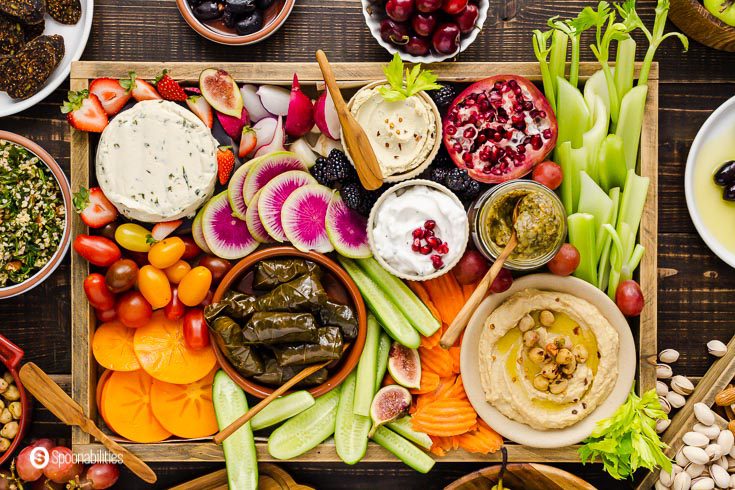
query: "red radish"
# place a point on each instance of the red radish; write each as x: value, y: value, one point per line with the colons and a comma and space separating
x: 300, y: 118
x: 276, y: 144
x: 165, y: 228
x: 326, y: 116
x: 139, y: 88
x: 252, y: 103
x: 199, y: 106
x: 233, y: 125
x: 265, y: 129
x: 303, y: 151
x: 113, y: 96
x: 248, y: 141
x: 275, y: 99
x: 467, y: 19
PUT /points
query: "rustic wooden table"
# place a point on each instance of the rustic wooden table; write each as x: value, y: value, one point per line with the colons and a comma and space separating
x: 696, y: 290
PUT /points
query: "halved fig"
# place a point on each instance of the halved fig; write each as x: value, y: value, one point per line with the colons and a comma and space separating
x: 404, y: 365
x: 390, y: 403
x: 221, y: 91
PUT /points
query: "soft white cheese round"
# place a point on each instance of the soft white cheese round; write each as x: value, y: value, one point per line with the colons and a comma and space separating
x: 157, y: 162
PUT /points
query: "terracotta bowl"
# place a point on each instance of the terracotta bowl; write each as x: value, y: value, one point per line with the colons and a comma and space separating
x: 529, y: 476
x: 349, y: 359
x: 10, y: 355
x: 50, y: 267
x: 273, y: 20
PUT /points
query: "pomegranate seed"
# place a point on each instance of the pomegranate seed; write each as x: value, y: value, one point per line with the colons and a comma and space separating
x: 497, y: 136
x: 433, y: 242
x: 484, y: 105
x: 517, y: 119
x: 546, y: 133
x: 512, y: 83
x: 508, y: 134
x: 428, y: 233
x: 521, y: 150
x: 457, y: 148
x: 416, y: 245
x: 437, y: 261
x: 526, y: 141
x: 502, y: 119
x: 430, y: 224
x: 472, y: 119
x: 469, y: 102
x: 481, y: 138
x: 418, y: 233
x: 528, y: 105
x: 469, y: 133
x: 425, y: 250
x: 467, y: 157
x: 443, y: 249
x: 536, y: 142
x: 499, y: 85
x: 451, y: 129
x: 541, y: 114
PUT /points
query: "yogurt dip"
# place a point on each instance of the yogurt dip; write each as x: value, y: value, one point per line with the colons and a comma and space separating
x: 403, y: 133
x: 407, y: 210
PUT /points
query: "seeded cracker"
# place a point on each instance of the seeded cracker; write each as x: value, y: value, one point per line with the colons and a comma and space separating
x: 11, y: 36
x: 65, y: 11
x: 26, y: 72
x: 27, y: 11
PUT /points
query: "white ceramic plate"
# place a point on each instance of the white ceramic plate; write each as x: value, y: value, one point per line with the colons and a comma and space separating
x: 722, y: 120
x: 522, y: 433
x: 75, y: 39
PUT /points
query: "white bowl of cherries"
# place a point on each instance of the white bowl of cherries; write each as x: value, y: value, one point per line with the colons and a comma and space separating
x: 425, y: 31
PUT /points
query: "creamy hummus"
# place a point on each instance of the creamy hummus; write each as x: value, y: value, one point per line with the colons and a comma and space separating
x: 547, y: 359
x: 402, y: 133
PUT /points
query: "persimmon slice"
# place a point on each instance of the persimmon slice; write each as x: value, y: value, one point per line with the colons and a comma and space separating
x: 126, y: 403
x: 185, y: 410
x: 112, y: 347
x: 163, y: 353
x: 98, y: 394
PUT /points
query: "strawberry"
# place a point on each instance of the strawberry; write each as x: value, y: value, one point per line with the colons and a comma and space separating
x: 84, y: 112
x: 225, y: 163
x: 94, y: 208
x: 247, y: 142
x: 169, y: 88
x: 113, y: 96
x: 139, y: 88
x: 199, y: 106
x: 165, y: 228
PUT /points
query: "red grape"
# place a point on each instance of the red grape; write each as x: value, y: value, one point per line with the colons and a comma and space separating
x: 45, y: 442
x: 61, y: 467
x: 565, y: 261
x: 471, y: 267
x: 102, y: 475
x: 548, y: 173
x: 629, y: 298
x: 502, y: 282
x: 24, y: 467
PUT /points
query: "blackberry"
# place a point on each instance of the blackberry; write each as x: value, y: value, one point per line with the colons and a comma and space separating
x: 354, y: 196
x: 438, y: 174
x: 319, y: 171
x: 443, y: 159
x: 472, y: 190
x: 457, y: 180
x: 444, y: 96
x: 339, y: 168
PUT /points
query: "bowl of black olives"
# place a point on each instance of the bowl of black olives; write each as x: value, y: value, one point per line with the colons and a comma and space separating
x: 235, y: 22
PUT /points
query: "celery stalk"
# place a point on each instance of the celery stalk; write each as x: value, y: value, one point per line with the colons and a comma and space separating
x: 542, y: 50
x: 582, y: 235
x: 633, y: 200
x: 592, y: 139
x: 572, y: 115
x: 593, y: 200
x: 566, y: 189
x: 636, y: 257
x: 596, y: 85
x: 616, y: 261
x: 656, y: 37
x: 611, y: 167
x: 631, y: 122
x: 558, y: 56
x: 624, y: 67
x: 603, y: 265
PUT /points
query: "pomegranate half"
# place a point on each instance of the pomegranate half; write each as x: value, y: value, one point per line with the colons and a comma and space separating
x: 499, y: 128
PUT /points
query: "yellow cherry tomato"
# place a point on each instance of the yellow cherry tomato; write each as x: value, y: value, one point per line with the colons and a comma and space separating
x: 194, y: 286
x: 133, y: 237
x: 154, y: 286
x: 176, y: 272
x: 167, y: 252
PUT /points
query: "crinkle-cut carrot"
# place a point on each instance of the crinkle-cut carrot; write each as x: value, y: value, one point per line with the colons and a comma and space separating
x: 446, y: 294
x: 420, y: 291
x: 437, y: 360
x: 454, y: 390
x: 445, y: 417
x: 454, y: 352
x: 388, y: 380
x: 441, y: 445
x: 429, y: 383
x: 443, y: 427
x: 483, y: 440
x: 468, y: 289
x: 433, y: 340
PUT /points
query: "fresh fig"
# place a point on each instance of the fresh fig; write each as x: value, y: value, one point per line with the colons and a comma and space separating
x: 221, y: 91
x: 404, y: 366
x: 389, y: 404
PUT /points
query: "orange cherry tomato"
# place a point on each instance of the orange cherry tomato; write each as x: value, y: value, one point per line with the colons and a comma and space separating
x: 167, y: 252
x: 176, y: 272
x: 194, y: 286
x: 154, y: 286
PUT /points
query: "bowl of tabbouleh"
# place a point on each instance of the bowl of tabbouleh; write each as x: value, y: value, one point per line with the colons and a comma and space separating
x: 35, y: 223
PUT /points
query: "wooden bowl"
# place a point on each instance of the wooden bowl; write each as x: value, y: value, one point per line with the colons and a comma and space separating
x: 695, y: 20
x: 528, y: 476
x: 349, y: 359
x: 10, y: 356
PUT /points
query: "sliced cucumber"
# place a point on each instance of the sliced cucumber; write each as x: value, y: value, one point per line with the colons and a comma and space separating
x: 365, y: 385
x: 383, y: 353
x: 306, y: 430
x: 388, y: 314
x: 351, y: 430
x: 402, y: 297
x: 240, y: 454
x: 403, y: 427
x: 404, y: 450
x: 281, y: 409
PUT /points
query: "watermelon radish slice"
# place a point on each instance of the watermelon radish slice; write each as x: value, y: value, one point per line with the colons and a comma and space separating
x: 234, y: 190
x: 272, y: 197
x: 227, y: 236
x: 197, y: 234
x: 303, y: 215
x: 347, y: 230
x: 252, y: 219
x: 267, y: 167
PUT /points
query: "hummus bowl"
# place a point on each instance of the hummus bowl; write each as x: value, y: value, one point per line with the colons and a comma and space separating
x: 610, y: 383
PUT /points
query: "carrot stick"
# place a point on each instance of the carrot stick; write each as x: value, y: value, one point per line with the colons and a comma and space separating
x: 447, y: 296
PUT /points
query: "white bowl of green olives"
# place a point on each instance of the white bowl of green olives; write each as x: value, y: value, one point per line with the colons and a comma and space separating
x: 235, y: 22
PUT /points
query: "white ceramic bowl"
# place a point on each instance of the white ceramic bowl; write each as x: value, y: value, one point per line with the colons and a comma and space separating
x: 75, y: 39
x: 722, y: 117
x: 373, y: 16
x: 517, y: 431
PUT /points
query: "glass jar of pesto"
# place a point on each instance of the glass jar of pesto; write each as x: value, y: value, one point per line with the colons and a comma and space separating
x: 541, y: 225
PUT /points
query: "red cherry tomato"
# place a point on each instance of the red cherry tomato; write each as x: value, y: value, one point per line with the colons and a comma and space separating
x: 548, y: 173
x: 175, y: 309
x: 97, y: 250
x: 217, y: 266
x: 133, y: 310
x: 192, y: 250
x: 196, y: 334
x: 121, y: 275
x: 502, y: 282
x: 566, y: 260
x: 629, y: 298
x: 105, y: 316
x: 97, y: 293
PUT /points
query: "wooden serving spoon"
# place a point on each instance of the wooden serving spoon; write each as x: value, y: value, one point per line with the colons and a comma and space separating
x: 460, y: 321
x: 69, y: 412
x: 356, y: 140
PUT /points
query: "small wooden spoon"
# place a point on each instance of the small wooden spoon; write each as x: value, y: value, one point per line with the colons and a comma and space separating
x: 460, y: 321
x: 68, y: 411
x: 358, y: 144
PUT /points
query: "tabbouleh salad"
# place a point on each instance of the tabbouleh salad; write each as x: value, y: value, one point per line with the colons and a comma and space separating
x: 32, y: 214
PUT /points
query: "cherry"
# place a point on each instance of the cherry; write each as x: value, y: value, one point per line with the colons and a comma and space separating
x: 428, y: 6
x: 417, y: 46
x: 467, y: 18
x: 393, y: 32
x: 424, y: 24
x: 399, y: 10
x: 453, y: 7
x: 446, y: 38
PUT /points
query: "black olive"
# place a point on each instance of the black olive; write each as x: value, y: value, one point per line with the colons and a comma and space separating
x: 240, y: 6
x: 726, y: 174
x: 229, y: 19
x: 251, y: 23
x: 207, y: 10
x: 729, y: 193
x: 264, y: 4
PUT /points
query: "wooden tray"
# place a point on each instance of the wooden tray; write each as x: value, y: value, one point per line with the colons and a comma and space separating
x: 528, y: 476
x: 85, y: 370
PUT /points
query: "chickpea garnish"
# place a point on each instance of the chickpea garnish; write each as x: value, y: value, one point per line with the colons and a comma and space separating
x: 580, y: 353
x: 540, y: 382
x: 537, y: 355
x: 530, y: 338
x: 558, y: 386
x: 526, y: 323
x: 564, y: 356
x: 546, y: 318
